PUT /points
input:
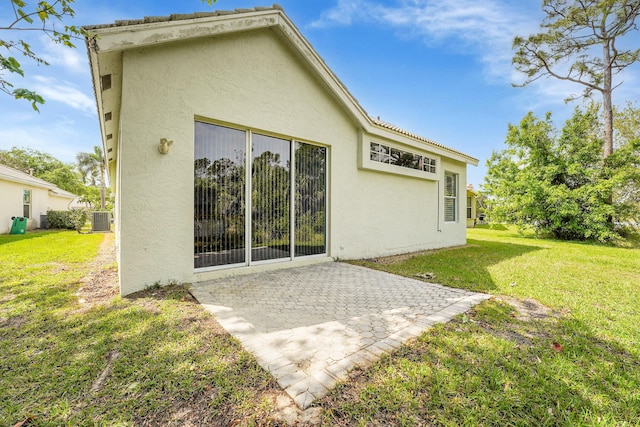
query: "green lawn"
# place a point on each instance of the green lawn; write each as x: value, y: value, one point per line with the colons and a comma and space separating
x: 578, y: 365
x: 154, y: 359
x: 158, y: 358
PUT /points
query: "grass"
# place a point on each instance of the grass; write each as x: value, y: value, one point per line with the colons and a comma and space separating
x: 157, y: 358
x: 576, y: 365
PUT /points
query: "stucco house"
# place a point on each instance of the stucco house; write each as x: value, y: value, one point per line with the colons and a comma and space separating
x: 22, y: 194
x: 233, y: 148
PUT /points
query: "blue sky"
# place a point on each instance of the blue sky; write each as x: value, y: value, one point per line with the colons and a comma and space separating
x: 438, y: 68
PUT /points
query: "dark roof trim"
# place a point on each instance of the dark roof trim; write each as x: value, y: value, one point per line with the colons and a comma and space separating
x: 179, y: 17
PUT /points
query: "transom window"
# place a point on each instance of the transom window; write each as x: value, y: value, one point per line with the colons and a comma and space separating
x: 450, y: 197
x: 405, y: 159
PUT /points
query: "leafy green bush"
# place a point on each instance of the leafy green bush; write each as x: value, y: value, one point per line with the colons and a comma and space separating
x: 73, y: 219
x: 558, y: 184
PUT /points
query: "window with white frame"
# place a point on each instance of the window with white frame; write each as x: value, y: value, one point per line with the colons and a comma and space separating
x: 469, y: 207
x: 405, y: 159
x: 26, y: 203
x: 450, y: 197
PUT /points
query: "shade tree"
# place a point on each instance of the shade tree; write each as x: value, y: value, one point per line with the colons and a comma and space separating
x: 583, y: 42
x: 557, y: 181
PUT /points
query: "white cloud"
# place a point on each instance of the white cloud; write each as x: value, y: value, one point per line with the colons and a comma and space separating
x: 485, y: 28
x: 62, y: 135
x: 481, y: 28
x: 74, y: 60
x: 42, y: 139
x: 64, y: 92
x: 343, y: 13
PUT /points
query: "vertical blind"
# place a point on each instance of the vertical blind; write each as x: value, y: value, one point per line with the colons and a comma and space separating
x: 220, y: 206
x: 219, y: 195
x: 270, y: 198
x: 310, y: 199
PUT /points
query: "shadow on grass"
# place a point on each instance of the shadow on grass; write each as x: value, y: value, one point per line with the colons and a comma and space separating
x: 497, y: 227
x: 461, y: 267
x: 32, y: 234
x: 148, y: 360
x: 481, y: 370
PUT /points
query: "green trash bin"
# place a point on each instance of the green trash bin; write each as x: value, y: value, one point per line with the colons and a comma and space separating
x: 19, y: 225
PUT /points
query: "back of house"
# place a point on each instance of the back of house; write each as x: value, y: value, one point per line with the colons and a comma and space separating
x: 233, y: 148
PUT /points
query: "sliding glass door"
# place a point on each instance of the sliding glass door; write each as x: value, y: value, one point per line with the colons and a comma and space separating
x: 270, y: 205
x: 270, y: 198
x: 219, y: 196
x: 310, y: 199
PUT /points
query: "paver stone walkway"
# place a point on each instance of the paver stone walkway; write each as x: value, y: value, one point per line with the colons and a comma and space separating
x: 309, y: 326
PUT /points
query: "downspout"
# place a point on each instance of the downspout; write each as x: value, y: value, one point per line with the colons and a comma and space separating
x: 438, y: 213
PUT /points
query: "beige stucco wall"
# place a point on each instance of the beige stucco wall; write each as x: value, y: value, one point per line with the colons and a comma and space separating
x: 57, y: 203
x: 11, y: 196
x: 253, y: 80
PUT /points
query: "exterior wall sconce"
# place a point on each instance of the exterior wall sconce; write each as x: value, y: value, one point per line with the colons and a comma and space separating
x: 164, y: 145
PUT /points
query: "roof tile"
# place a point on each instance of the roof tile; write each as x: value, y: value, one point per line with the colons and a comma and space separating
x: 180, y: 17
x: 401, y: 131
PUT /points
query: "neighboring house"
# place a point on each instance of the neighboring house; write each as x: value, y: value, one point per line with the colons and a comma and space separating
x: 213, y: 123
x: 472, y: 203
x: 25, y: 195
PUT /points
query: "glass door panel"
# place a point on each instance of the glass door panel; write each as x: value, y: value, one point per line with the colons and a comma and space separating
x: 310, y: 199
x: 219, y: 195
x: 270, y: 198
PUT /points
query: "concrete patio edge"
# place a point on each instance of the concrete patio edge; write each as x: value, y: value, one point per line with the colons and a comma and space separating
x: 310, y: 326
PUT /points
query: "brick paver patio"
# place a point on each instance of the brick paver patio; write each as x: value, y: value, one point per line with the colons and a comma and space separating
x: 310, y: 325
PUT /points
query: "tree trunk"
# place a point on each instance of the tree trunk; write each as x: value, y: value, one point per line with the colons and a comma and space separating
x: 607, y: 106
x: 608, y: 123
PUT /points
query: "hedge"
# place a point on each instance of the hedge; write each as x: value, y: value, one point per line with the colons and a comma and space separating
x: 73, y: 219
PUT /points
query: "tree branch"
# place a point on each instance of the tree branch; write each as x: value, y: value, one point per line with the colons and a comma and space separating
x: 49, y: 9
x: 548, y: 69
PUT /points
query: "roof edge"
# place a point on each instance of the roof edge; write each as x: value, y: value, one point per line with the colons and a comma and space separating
x: 181, y: 17
x: 288, y: 28
x: 395, y: 129
x: 19, y: 177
